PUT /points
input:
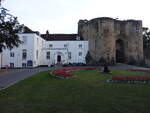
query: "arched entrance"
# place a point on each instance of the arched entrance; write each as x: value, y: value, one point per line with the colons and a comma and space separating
x: 120, y: 53
x: 58, y: 58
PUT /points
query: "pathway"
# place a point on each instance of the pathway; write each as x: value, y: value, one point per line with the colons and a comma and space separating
x: 13, y: 76
x: 125, y: 66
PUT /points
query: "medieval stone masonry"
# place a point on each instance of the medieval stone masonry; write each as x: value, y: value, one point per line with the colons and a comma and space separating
x: 112, y: 40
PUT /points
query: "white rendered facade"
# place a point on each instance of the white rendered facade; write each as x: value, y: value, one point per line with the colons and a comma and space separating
x: 36, y: 51
x: 69, y: 52
x: 15, y: 56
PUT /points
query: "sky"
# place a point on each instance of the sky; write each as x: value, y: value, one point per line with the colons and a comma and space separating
x: 62, y: 16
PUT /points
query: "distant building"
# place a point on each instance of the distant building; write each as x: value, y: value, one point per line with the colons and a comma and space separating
x: 46, y: 49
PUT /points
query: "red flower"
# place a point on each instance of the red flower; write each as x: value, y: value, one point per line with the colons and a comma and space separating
x: 65, y: 72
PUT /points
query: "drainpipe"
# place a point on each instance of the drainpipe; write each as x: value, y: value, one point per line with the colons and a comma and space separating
x: 1, y: 60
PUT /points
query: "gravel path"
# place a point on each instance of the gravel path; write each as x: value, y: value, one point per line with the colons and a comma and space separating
x: 125, y: 66
x: 13, y: 76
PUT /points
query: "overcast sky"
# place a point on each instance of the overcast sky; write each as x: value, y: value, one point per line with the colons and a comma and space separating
x: 62, y: 16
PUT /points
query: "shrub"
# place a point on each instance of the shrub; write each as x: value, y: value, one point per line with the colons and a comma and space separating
x: 132, y: 61
x: 102, y: 61
x: 89, y: 59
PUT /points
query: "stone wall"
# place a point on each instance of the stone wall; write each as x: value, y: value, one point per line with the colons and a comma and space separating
x: 147, y: 61
x: 103, y: 33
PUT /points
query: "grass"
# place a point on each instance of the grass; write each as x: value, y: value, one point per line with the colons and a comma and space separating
x: 87, y: 93
x: 146, y: 66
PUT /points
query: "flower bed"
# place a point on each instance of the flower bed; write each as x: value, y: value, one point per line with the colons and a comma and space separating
x: 65, y: 72
x: 62, y: 73
x: 131, y: 79
x: 142, y: 70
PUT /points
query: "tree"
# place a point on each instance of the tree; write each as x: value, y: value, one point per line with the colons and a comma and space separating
x: 146, y: 40
x: 89, y: 59
x: 9, y: 27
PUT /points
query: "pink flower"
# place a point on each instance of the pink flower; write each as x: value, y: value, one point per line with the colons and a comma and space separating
x: 66, y: 71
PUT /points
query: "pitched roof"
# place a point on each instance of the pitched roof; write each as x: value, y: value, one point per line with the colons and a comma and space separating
x: 59, y: 37
x: 28, y: 30
x: 54, y: 37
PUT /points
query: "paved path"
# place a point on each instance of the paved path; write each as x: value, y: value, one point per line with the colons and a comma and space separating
x: 125, y: 66
x: 12, y: 76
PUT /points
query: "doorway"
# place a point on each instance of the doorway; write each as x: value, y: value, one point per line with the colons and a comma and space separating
x: 58, y: 58
x: 120, y: 53
x: 29, y: 63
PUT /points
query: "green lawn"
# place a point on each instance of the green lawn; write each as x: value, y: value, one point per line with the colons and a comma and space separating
x: 87, y: 93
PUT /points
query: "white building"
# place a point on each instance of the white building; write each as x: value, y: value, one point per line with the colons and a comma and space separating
x: 46, y: 49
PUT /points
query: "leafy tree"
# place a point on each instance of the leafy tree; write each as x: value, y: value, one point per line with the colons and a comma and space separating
x: 9, y: 27
x: 146, y: 40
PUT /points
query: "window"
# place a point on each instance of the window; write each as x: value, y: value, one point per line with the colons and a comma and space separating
x: 24, y: 65
x: 37, y: 54
x: 48, y: 55
x: 138, y: 57
x: 24, y: 39
x: 80, y: 53
x: 12, y: 54
x: 50, y: 45
x: 24, y: 54
x: 135, y: 26
x: 11, y: 65
x: 65, y: 45
x: 77, y: 38
x: 80, y: 45
x: 69, y: 55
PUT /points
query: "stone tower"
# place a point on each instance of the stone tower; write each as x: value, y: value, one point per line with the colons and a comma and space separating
x: 112, y: 40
